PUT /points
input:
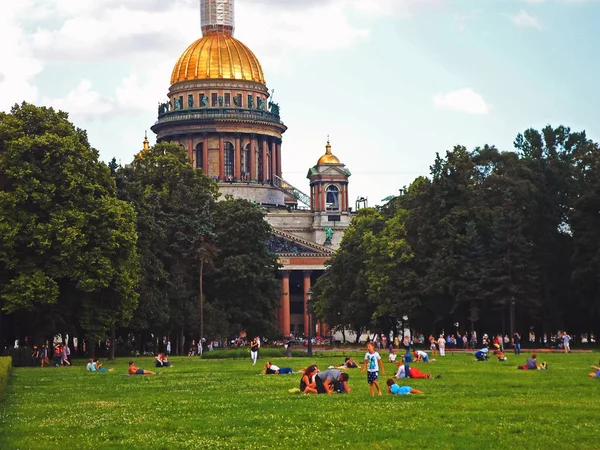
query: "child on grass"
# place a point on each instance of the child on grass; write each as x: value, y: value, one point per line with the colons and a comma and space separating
x: 393, y: 388
x: 135, y: 371
x: 372, y: 362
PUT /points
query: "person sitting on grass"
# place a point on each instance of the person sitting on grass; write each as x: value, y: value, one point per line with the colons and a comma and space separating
x: 500, y: 355
x: 135, y: 371
x: 597, y: 373
x: 349, y: 363
x: 308, y: 384
x: 272, y: 369
x: 94, y: 366
x: 162, y: 361
x: 393, y: 388
x: 531, y: 364
x: 392, y: 356
x: 332, y: 380
x: 482, y: 355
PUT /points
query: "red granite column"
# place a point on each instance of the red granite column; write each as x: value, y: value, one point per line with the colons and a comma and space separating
x: 307, y: 274
x: 323, y: 197
x: 221, y: 158
x: 191, y: 150
x: 205, y: 155
x: 253, y: 146
x: 285, y: 303
x: 273, y: 160
x: 279, y: 159
x: 238, y: 156
x: 265, y: 165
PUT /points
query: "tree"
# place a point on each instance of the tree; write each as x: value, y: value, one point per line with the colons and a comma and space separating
x: 67, y: 244
x: 174, y: 203
x: 243, y: 282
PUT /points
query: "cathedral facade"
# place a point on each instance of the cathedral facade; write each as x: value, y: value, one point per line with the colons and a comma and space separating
x: 220, y: 111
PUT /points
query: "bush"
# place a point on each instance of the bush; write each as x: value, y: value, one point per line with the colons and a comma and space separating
x: 5, y: 365
x: 21, y: 357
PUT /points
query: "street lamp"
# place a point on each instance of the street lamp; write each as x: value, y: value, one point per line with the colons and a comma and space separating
x: 309, y: 313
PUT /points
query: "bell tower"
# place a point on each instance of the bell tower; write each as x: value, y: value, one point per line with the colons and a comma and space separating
x: 329, y: 198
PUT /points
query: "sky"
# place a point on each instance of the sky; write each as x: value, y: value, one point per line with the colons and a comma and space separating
x: 392, y: 82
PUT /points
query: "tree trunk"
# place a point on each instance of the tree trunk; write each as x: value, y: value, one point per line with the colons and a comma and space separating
x: 113, y: 343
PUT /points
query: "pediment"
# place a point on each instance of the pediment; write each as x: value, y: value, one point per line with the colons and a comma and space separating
x: 288, y: 244
x: 337, y: 170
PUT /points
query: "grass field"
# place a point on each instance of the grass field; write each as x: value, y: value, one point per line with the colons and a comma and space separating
x: 226, y: 404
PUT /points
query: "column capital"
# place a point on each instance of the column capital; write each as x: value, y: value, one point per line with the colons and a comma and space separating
x: 307, y: 273
x: 285, y: 273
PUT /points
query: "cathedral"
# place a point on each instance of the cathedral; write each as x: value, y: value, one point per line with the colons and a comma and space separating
x: 219, y: 110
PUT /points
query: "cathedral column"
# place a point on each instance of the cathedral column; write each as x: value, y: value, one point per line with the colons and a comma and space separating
x: 307, y: 274
x: 205, y: 155
x: 273, y: 161
x: 279, y: 159
x: 237, y: 162
x: 265, y: 159
x: 285, y: 303
x: 323, y: 197
x: 191, y: 150
x: 253, y: 145
x: 221, y: 158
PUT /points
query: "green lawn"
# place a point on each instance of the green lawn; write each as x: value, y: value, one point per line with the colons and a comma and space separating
x: 226, y: 404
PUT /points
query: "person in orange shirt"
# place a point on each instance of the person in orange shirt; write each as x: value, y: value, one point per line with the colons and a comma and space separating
x: 135, y: 371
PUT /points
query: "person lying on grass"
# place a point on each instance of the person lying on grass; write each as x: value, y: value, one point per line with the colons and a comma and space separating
x: 94, y: 366
x: 308, y: 384
x: 332, y: 380
x: 162, y: 361
x: 405, y: 371
x: 531, y: 364
x: 595, y: 374
x: 393, y: 388
x: 349, y: 363
x: 272, y: 369
x: 135, y: 371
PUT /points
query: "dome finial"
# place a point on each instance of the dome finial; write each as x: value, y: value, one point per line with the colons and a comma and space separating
x: 328, y: 147
x: 146, y: 142
x: 217, y: 16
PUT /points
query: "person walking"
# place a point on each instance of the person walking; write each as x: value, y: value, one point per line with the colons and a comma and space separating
x: 442, y: 345
x: 517, y: 343
x: 566, y: 342
x: 254, y: 350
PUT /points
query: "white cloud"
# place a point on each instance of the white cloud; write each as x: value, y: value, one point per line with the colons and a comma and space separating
x: 525, y: 20
x: 18, y: 66
x: 464, y: 100
x: 395, y: 7
x: 82, y: 102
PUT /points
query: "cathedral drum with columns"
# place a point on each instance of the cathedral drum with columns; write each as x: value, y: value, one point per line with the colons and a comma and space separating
x: 220, y: 111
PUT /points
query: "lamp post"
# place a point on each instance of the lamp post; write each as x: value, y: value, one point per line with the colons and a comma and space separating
x: 309, y: 313
x: 512, y: 316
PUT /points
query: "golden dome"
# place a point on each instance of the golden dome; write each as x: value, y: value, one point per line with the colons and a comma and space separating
x: 328, y: 158
x: 218, y: 56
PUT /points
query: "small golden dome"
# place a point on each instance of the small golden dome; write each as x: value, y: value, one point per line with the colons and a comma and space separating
x: 218, y: 56
x: 328, y: 158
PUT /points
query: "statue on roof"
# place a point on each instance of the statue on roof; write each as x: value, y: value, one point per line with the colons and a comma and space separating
x: 190, y: 101
x: 204, y: 101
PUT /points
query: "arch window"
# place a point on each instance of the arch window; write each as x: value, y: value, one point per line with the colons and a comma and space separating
x: 332, y: 199
x: 229, y: 159
x: 200, y: 156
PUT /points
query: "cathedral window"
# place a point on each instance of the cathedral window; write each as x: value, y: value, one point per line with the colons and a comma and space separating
x: 229, y: 160
x: 200, y: 156
x: 227, y: 100
x: 214, y: 98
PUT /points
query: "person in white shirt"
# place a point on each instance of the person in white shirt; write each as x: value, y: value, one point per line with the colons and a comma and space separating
x: 442, y: 345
